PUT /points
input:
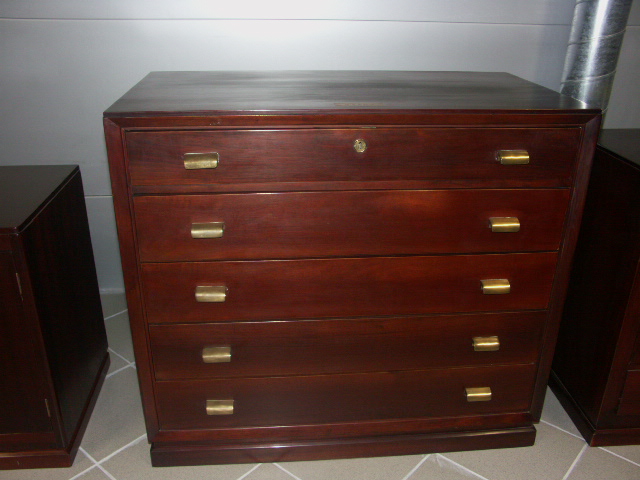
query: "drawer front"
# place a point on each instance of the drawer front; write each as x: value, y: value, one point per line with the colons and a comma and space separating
x: 325, y: 399
x: 377, y: 286
x: 330, y: 155
x: 310, y: 347
x: 332, y: 224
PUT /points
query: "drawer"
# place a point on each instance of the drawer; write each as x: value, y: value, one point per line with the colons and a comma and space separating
x: 328, y: 155
x: 310, y: 347
x: 375, y: 286
x: 306, y: 400
x: 326, y: 224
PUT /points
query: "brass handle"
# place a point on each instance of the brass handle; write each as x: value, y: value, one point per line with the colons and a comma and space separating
x: 495, y: 286
x: 197, y: 161
x: 213, y: 294
x: 513, y: 157
x: 478, y: 394
x: 216, y: 354
x: 504, y: 224
x: 360, y: 145
x: 207, y: 230
x: 219, y: 407
x: 486, y: 344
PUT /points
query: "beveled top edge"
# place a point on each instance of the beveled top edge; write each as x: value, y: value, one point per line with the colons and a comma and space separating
x: 336, y: 92
x: 26, y: 189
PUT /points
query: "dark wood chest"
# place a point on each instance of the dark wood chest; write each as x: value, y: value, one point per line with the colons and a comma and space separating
x: 596, y: 370
x: 53, y: 346
x: 336, y: 264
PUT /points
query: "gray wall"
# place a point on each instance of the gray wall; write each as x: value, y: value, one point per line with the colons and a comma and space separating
x: 64, y: 61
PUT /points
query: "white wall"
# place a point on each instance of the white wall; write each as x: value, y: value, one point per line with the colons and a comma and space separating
x: 64, y: 61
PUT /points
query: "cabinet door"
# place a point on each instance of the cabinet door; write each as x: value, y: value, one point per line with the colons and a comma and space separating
x: 24, y: 415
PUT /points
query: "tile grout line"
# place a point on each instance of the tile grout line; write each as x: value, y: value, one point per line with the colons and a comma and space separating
x: 414, y: 469
x: 116, y: 452
x: 576, y: 461
x: 249, y: 472
x: 287, y: 471
x: 115, y: 314
x: 103, y: 470
x: 131, y: 365
x: 116, y: 353
x: 561, y: 429
x: 619, y: 456
x: 462, y: 467
x: 95, y: 465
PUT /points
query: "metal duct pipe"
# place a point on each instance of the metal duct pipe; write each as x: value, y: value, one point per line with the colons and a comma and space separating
x: 594, y: 46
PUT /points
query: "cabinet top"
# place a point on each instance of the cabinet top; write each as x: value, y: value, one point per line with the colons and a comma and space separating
x: 337, y: 92
x: 25, y: 189
x: 624, y: 143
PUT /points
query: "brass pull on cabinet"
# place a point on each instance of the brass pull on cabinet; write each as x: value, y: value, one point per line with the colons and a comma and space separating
x: 211, y: 294
x: 216, y: 354
x: 495, y: 286
x: 478, y: 394
x: 513, y: 157
x: 207, y: 230
x: 504, y: 224
x: 219, y: 407
x: 199, y: 161
x: 486, y: 344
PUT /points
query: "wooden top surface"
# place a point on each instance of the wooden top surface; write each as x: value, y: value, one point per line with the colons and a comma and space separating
x: 287, y: 92
x: 624, y: 143
x: 25, y: 189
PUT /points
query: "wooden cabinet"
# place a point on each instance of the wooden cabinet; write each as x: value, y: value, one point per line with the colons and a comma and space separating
x: 53, y: 348
x: 596, y: 371
x: 339, y: 264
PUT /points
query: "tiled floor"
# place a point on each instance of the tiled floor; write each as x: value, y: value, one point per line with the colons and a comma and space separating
x: 115, y: 446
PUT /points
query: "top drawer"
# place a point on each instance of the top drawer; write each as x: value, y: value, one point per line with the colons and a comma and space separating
x: 454, y: 155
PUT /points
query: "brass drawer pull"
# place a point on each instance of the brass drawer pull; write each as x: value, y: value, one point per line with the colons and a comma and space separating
x: 486, y: 344
x: 216, y: 354
x: 207, y: 230
x: 504, y: 224
x: 219, y: 407
x: 478, y: 394
x: 198, y: 161
x: 360, y: 145
x: 213, y: 294
x: 495, y: 286
x: 513, y: 157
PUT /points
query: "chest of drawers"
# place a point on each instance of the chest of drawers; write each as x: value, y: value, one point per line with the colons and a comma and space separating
x: 339, y: 264
x: 596, y: 369
x: 53, y: 344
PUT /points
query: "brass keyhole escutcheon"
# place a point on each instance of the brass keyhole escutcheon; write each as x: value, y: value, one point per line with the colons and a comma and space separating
x: 360, y: 145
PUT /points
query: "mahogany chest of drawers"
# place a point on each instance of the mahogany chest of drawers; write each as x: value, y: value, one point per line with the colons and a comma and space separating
x: 596, y: 370
x: 53, y: 344
x: 339, y: 264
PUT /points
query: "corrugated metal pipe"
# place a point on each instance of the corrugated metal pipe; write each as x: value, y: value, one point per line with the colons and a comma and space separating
x: 594, y: 46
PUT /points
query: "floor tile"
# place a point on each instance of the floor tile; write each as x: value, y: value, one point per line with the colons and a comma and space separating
x: 554, y: 414
x: 116, y: 363
x: 631, y: 452
x: 381, y: 468
x: 93, y: 474
x: 596, y: 464
x: 550, y: 458
x: 437, y: 467
x: 113, y: 303
x: 134, y: 463
x: 268, y: 471
x: 119, y: 336
x: 80, y: 464
x: 117, y: 418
